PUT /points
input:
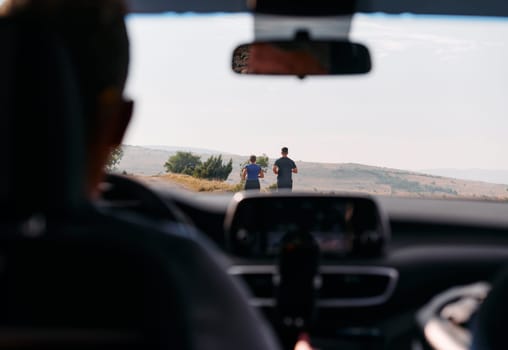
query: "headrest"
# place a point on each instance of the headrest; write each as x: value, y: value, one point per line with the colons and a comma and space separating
x: 41, y: 133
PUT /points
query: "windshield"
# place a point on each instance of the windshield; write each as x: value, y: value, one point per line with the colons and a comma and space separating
x: 429, y: 120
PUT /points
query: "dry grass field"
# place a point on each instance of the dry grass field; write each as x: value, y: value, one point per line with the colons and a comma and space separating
x: 187, y: 182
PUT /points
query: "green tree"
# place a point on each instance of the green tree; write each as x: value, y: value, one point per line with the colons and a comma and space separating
x: 183, y: 163
x: 214, y: 169
x: 263, y: 161
x: 114, y: 159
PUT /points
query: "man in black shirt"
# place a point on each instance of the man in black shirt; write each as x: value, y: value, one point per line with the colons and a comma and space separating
x: 284, y: 168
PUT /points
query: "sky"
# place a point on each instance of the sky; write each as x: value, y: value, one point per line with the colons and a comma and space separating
x: 436, y: 98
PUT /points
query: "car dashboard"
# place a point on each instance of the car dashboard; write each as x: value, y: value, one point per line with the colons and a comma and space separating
x: 350, y: 286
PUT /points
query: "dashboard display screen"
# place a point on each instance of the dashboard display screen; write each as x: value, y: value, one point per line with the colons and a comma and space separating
x: 328, y: 242
x: 331, y: 227
x: 338, y: 226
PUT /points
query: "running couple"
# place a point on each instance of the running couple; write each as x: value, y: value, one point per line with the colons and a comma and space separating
x: 284, y: 168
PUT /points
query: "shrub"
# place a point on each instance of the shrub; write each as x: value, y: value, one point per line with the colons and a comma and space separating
x: 114, y: 159
x: 214, y: 169
x: 183, y: 163
x: 272, y: 188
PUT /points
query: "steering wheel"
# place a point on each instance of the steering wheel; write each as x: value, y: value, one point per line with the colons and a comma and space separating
x: 121, y: 192
x: 446, y: 321
x: 489, y: 330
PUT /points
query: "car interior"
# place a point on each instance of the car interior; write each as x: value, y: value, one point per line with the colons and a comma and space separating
x: 169, y: 269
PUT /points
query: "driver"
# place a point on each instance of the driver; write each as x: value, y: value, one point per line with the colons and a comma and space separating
x: 99, y: 48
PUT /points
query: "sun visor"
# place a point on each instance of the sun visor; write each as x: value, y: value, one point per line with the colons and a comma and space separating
x: 496, y: 8
x: 303, y: 7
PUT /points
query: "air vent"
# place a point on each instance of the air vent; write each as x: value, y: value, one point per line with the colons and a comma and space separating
x: 260, y: 285
x: 345, y: 285
x: 349, y: 286
x: 340, y: 286
x: 259, y: 279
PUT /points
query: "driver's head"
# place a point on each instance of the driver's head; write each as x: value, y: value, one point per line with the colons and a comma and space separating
x: 95, y: 35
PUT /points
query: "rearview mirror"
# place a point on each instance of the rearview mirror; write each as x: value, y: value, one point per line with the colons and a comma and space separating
x: 302, y: 58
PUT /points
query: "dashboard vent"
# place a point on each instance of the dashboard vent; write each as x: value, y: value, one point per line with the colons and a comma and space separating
x: 260, y: 284
x: 339, y: 286
x: 260, y: 280
x: 342, y: 285
x: 348, y: 286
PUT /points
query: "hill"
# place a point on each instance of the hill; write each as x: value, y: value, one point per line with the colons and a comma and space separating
x: 326, y: 177
x: 485, y: 175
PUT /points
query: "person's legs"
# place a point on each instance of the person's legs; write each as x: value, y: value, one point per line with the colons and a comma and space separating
x: 284, y: 187
x: 252, y: 185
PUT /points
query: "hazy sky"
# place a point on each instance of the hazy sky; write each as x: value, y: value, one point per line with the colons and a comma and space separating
x: 437, y: 97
